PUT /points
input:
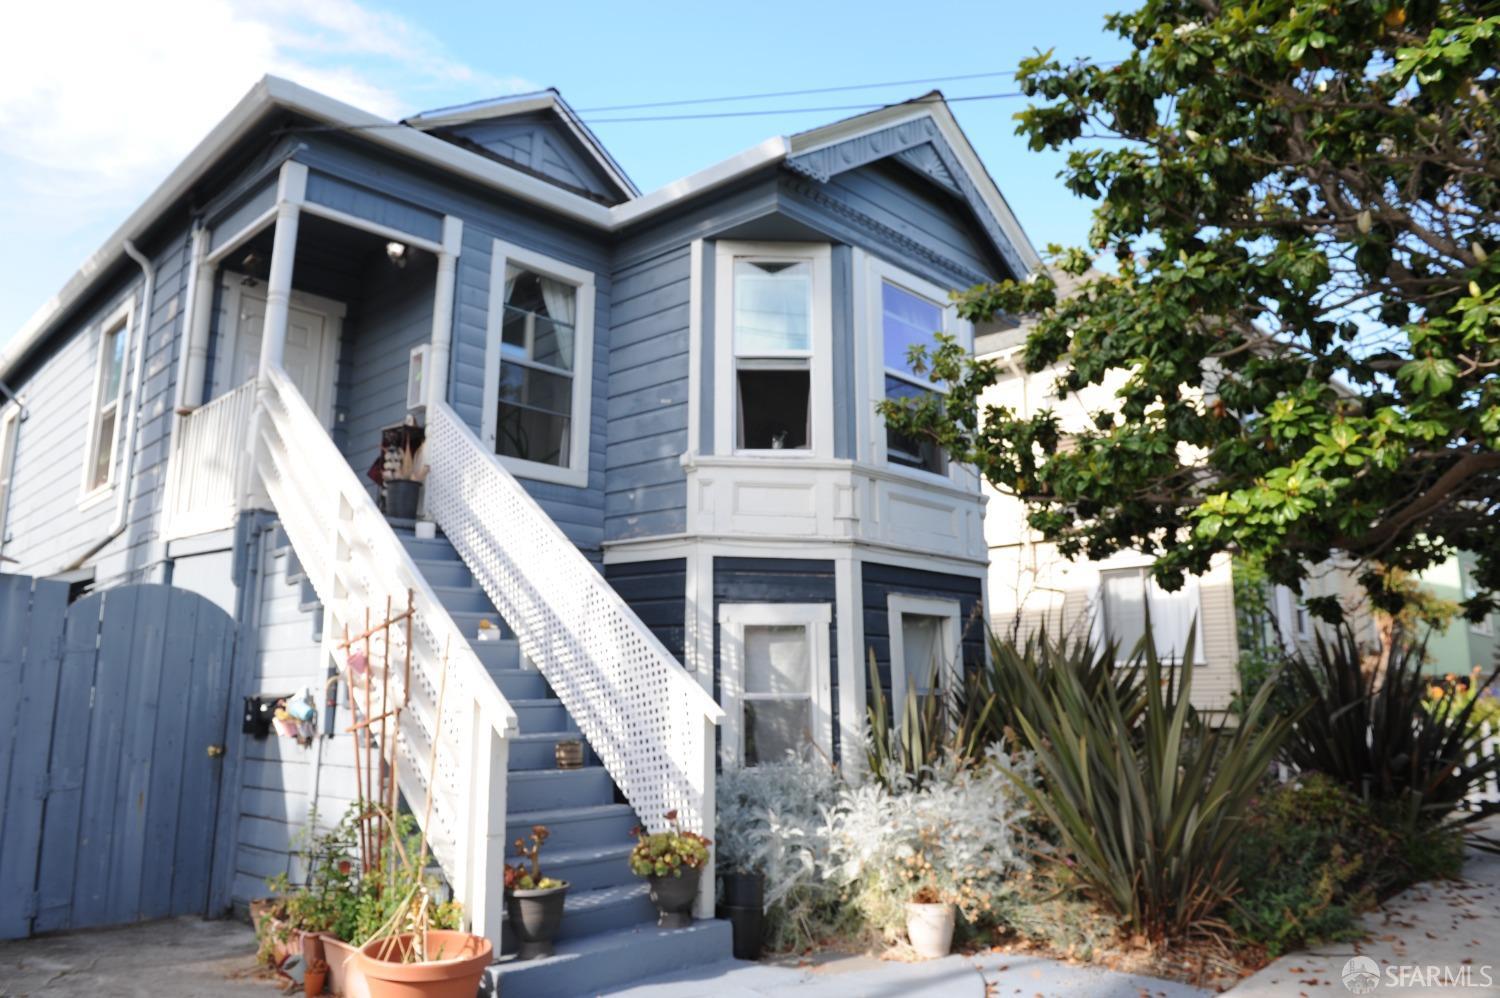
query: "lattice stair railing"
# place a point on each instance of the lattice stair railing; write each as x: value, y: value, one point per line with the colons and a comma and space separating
x: 646, y: 717
x: 356, y: 564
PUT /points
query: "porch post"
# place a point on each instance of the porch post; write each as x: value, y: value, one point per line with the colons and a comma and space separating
x: 442, y: 309
x: 199, y: 319
x: 289, y: 194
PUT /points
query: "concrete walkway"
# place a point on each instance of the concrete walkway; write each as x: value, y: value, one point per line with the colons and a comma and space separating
x: 1438, y: 938
x: 992, y: 975
x: 176, y: 958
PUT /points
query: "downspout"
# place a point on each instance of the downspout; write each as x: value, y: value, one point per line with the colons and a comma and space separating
x: 143, y: 327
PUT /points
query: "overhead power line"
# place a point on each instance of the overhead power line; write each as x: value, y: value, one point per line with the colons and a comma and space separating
x: 794, y: 93
x: 797, y: 110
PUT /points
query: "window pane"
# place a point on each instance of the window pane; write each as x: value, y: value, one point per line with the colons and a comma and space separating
x: 772, y: 305
x: 773, y: 409
x: 913, y: 452
x: 539, y: 319
x: 104, y: 449
x: 114, y: 364
x: 776, y: 660
x: 536, y: 389
x: 775, y: 727
x: 906, y: 320
x: 1172, y: 617
x: 922, y: 651
x: 533, y: 434
x: 1124, y: 608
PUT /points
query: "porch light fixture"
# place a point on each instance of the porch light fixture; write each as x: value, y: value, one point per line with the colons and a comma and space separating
x: 396, y: 252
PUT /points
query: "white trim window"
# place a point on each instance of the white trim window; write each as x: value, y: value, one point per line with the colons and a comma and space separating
x: 539, y: 365
x: 773, y: 390
x: 925, y: 654
x: 775, y: 680
x: 1125, y: 594
x: 109, y: 389
x: 10, y: 425
x: 905, y: 311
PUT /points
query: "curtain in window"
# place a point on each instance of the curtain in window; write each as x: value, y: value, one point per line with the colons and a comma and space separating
x: 1126, y: 593
x: 561, y: 301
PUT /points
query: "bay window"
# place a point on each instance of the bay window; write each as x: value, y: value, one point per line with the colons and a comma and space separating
x: 896, y: 311
x: 908, y: 320
x: 772, y: 382
x: 538, y: 373
x: 773, y: 353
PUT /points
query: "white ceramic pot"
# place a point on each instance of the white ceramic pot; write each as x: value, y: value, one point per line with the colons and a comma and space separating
x: 930, y: 929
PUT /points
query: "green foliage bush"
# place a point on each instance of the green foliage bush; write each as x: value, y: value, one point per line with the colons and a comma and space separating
x: 1311, y: 857
x: 1378, y: 733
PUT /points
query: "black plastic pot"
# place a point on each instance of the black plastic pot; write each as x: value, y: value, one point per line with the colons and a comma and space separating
x: 742, y: 902
x: 535, y: 917
x: 673, y: 896
x: 401, y: 496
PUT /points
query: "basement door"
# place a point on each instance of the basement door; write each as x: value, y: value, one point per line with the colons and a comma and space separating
x: 111, y: 741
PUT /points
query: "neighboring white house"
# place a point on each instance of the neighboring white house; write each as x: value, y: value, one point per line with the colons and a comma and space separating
x: 1031, y: 584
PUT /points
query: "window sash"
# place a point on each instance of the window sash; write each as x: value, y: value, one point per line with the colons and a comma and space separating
x: 1174, y: 616
x: 104, y: 427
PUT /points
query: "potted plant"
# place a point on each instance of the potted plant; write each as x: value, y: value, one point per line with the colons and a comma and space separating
x: 930, y: 918
x: 672, y: 861
x: 533, y: 901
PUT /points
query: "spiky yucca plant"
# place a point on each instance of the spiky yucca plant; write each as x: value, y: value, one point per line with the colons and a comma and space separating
x: 1146, y: 796
x: 1377, y: 733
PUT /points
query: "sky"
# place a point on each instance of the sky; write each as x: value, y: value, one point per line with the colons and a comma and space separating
x: 100, y: 99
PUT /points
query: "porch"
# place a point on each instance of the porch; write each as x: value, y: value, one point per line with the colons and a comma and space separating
x: 353, y: 310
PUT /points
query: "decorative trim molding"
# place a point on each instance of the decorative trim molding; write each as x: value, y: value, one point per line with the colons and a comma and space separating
x: 883, y: 233
x: 937, y: 161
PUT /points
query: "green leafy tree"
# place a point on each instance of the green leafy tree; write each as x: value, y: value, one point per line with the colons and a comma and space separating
x: 1301, y: 203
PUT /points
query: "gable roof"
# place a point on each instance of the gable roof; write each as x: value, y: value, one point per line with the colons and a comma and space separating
x: 547, y: 101
x: 272, y: 95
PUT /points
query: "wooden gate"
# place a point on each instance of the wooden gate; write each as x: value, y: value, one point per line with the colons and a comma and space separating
x: 112, y: 719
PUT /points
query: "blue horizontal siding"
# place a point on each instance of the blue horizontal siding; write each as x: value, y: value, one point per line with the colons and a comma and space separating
x: 657, y: 592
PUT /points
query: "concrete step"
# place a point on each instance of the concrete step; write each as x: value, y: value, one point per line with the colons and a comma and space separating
x: 442, y: 572
x: 539, y: 716
x: 575, y: 827
x: 460, y: 599
x: 539, y: 751
x: 428, y: 549
x: 618, y: 906
x: 548, y: 789
x: 591, y: 964
x: 468, y: 623
x: 590, y: 868
x: 520, y: 684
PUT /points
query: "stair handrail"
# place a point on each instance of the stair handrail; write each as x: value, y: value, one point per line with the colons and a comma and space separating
x: 355, y: 562
x: 647, y: 718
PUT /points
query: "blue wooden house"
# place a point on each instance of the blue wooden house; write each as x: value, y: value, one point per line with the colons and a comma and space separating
x: 666, y: 515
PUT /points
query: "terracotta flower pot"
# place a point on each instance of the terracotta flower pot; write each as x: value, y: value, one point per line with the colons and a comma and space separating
x: 342, y: 969
x: 455, y: 963
x: 313, y: 981
x: 535, y: 916
x: 673, y: 896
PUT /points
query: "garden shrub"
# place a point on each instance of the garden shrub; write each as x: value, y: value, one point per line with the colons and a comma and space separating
x: 952, y: 836
x: 773, y: 819
x: 1312, y: 856
x: 1145, y: 796
x: 1381, y: 734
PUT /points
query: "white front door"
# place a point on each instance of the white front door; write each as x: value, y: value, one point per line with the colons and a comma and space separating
x: 775, y: 680
x: 309, y: 358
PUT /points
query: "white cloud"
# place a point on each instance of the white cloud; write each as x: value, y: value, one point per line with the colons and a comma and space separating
x: 99, y: 100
